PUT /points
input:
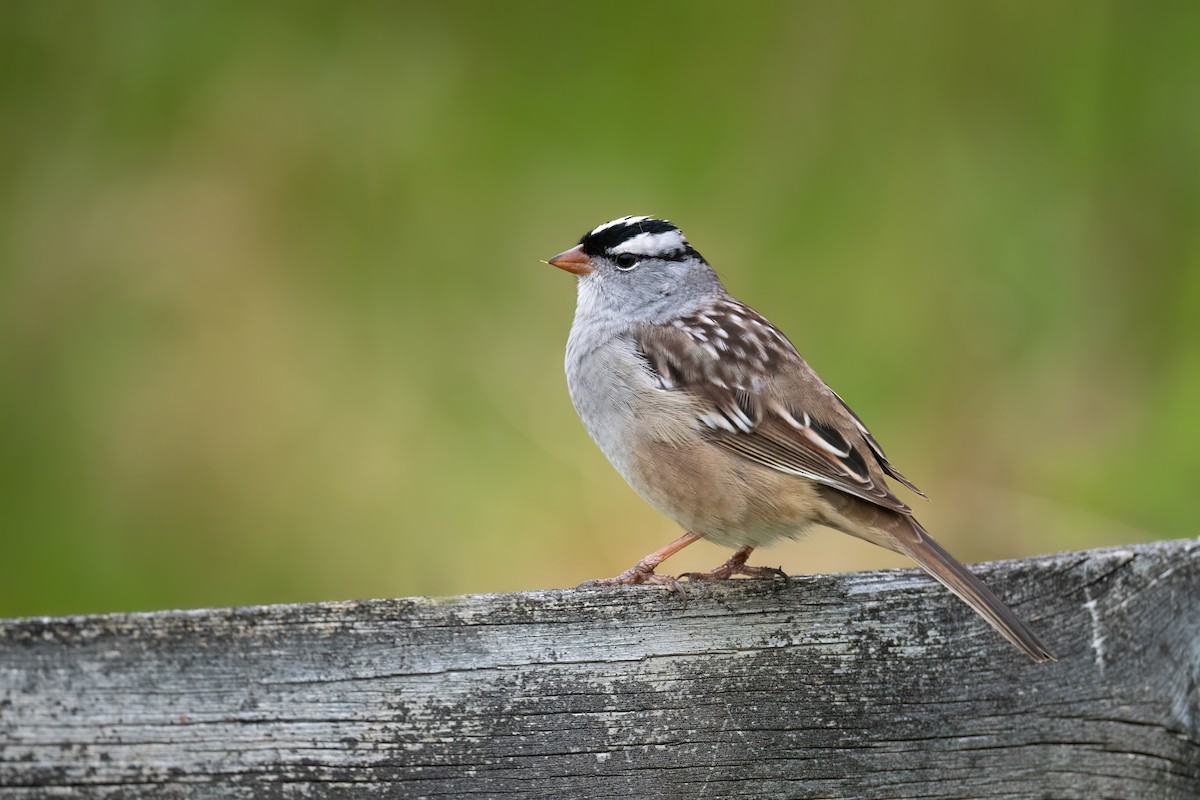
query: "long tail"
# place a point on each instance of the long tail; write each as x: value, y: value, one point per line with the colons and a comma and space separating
x: 933, y: 558
x: 902, y: 533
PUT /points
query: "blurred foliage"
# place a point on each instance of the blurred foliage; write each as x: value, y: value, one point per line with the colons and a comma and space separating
x: 273, y: 326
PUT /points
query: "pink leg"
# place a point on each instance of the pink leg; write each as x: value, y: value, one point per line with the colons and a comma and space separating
x: 643, y: 571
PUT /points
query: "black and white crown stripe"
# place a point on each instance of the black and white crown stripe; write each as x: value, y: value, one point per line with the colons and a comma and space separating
x: 641, y: 236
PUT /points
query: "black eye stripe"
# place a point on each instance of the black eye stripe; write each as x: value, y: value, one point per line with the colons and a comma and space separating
x: 597, y: 242
x: 674, y: 255
x: 603, y: 241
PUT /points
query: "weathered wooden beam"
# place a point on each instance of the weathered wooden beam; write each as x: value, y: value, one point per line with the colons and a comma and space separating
x: 865, y: 685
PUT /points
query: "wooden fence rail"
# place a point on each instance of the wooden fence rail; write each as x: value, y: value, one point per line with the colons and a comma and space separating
x: 867, y: 685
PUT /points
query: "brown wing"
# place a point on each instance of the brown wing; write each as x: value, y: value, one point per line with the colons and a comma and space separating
x: 877, y: 449
x: 759, y: 399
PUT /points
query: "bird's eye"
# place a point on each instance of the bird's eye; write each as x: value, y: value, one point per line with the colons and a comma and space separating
x: 626, y: 261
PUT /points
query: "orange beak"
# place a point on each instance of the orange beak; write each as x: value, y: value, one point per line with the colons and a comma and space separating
x: 574, y: 261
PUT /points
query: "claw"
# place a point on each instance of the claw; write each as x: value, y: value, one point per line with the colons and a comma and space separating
x: 643, y: 571
x: 638, y: 574
x: 736, y: 565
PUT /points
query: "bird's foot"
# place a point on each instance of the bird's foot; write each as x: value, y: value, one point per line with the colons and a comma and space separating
x: 639, y: 573
x: 736, y: 565
x: 643, y: 571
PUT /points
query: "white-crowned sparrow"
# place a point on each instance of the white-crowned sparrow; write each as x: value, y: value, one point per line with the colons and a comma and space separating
x: 711, y: 415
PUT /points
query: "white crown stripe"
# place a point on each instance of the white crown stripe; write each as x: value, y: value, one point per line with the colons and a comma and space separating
x: 615, y: 222
x: 650, y: 243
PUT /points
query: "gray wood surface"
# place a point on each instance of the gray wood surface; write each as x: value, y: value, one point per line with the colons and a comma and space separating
x: 865, y: 685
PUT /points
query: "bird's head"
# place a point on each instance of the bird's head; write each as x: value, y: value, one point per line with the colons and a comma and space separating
x: 638, y: 267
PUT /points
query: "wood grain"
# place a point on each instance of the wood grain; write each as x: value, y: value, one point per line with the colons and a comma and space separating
x: 865, y: 685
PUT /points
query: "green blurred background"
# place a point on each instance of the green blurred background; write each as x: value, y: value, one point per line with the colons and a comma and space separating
x: 273, y: 325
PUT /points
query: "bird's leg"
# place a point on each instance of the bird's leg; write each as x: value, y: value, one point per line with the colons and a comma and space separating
x: 643, y: 571
x: 736, y: 565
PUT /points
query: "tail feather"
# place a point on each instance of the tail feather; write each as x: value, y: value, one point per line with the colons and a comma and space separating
x: 903, y: 534
x: 933, y: 558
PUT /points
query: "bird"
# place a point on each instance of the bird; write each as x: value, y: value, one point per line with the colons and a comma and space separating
x: 712, y: 416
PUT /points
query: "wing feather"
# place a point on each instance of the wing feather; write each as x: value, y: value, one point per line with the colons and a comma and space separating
x: 745, y: 405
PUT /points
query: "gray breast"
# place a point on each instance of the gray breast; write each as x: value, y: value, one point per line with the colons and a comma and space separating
x: 602, y: 382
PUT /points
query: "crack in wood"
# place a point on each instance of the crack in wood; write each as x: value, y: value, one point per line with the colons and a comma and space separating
x: 864, y: 685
